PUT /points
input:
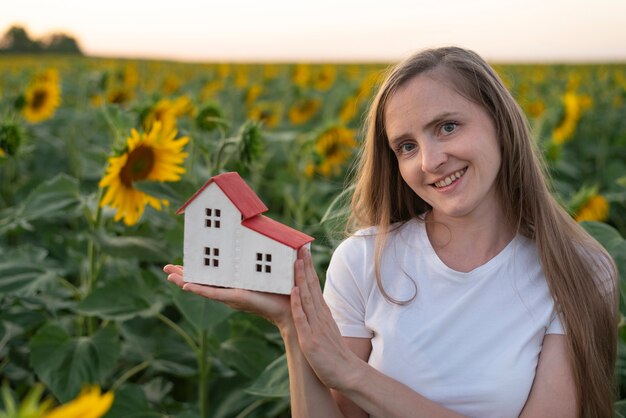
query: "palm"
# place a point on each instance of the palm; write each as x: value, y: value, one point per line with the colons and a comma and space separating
x: 273, y: 307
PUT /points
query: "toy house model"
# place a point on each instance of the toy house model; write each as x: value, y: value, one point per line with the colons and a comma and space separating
x: 229, y: 243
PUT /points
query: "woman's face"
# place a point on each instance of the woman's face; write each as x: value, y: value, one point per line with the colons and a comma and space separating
x: 447, y: 149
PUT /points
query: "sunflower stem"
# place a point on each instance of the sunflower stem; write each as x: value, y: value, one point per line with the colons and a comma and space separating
x: 190, y: 342
x: 93, y: 257
x: 204, y: 368
x: 109, y: 121
x: 129, y: 373
x: 218, y: 159
x: 254, y: 405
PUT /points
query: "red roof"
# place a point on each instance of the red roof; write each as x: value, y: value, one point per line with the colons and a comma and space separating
x: 237, y: 190
x: 251, y: 207
x: 277, y: 231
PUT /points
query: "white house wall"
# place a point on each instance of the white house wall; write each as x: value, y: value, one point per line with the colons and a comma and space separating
x: 238, y: 247
x: 280, y: 278
x: 198, y: 237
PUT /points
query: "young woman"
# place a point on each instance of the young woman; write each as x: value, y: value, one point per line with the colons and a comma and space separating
x: 465, y: 290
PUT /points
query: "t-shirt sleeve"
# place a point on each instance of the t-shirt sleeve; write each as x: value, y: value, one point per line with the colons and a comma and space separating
x: 344, y: 291
x: 555, y: 326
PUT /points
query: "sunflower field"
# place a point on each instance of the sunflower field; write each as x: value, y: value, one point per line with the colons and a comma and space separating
x: 96, y: 155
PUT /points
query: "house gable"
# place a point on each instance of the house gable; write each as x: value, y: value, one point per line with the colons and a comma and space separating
x: 237, y: 190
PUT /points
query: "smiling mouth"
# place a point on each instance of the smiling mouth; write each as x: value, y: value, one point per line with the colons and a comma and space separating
x: 450, y: 179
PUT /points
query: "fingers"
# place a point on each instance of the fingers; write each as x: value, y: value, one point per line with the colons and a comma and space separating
x: 174, y: 274
x: 304, y: 293
x: 310, y: 284
x: 173, y: 268
x: 216, y: 293
x: 297, y: 313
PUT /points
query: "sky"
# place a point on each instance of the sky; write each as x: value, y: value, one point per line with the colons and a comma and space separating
x: 331, y: 30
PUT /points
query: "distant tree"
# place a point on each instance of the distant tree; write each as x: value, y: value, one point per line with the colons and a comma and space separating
x: 60, y: 43
x: 17, y: 41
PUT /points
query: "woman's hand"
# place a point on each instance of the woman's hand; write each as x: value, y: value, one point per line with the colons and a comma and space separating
x: 318, y: 334
x: 273, y: 307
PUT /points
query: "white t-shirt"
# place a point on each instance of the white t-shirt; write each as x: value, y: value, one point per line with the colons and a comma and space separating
x: 469, y: 341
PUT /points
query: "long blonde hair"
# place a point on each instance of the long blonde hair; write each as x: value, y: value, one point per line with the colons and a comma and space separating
x: 579, y: 272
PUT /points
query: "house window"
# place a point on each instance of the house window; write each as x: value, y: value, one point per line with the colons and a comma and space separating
x: 263, y: 263
x: 212, y: 218
x: 211, y: 257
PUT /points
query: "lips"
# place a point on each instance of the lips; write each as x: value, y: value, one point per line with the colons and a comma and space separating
x: 449, y: 179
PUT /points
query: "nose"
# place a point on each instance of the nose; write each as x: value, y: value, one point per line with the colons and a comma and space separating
x: 433, y: 157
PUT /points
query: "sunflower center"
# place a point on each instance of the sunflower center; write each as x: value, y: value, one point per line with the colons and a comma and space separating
x: 332, y: 149
x: 138, y: 166
x: 39, y: 99
x: 159, y: 115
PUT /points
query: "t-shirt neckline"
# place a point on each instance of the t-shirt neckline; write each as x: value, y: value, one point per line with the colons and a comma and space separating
x: 449, y: 272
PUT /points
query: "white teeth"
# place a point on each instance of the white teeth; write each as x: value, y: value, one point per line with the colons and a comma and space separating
x: 448, y: 180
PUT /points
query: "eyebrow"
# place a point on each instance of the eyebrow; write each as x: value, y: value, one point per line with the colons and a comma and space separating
x: 434, y: 121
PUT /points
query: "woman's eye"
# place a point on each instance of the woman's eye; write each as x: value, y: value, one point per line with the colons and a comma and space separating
x: 448, y: 127
x: 406, y: 148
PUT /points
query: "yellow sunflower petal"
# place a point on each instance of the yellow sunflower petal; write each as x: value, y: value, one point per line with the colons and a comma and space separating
x: 154, y: 155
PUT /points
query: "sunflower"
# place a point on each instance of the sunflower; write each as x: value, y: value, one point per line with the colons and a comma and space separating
x: 253, y: 93
x: 50, y: 75
x: 301, y: 75
x: 89, y: 404
x: 335, y: 146
x: 11, y: 136
x: 167, y: 112
x: 241, y: 76
x: 155, y: 155
x: 211, y: 89
x: 171, y: 83
x: 303, y: 110
x: 595, y: 209
x: 534, y: 108
x: 349, y: 109
x: 368, y: 83
x: 574, y: 105
x: 267, y: 112
x: 119, y: 95
x: 41, y: 100
x: 325, y: 77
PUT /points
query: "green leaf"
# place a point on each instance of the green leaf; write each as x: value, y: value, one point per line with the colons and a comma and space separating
x: 140, y: 248
x: 606, y: 235
x: 159, y: 189
x: 65, y: 364
x: 620, y: 409
x: 149, y: 339
x: 610, y: 239
x: 130, y: 401
x: 25, y: 270
x: 202, y: 313
x: 273, y: 382
x: 53, y: 198
x: 247, y: 355
x: 56, y: 198
x: 121, y: 299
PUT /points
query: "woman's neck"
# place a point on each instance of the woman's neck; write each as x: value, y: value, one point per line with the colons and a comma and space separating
x: 464, y: 244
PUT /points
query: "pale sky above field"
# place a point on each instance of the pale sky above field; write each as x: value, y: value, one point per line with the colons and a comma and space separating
x: 330, y: 30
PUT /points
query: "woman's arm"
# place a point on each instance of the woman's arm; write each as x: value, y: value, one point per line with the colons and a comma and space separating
x: 361, y: 347
x: 309, y: 397
x: 553, y: 393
